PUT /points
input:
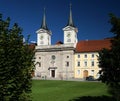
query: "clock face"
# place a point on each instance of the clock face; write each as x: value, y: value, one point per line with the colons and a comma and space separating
x: 41, y: 37
x: 68, y: 35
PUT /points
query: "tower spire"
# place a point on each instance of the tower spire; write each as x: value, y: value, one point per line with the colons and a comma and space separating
x: 70, y: 20
x: 44, y: 24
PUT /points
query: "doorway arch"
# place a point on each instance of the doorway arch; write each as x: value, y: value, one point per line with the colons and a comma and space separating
x: 85, y: 73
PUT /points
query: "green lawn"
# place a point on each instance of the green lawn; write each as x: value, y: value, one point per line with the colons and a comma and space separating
x: 46, y: 90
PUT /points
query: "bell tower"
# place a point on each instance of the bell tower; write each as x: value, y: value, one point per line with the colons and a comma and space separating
x: 43, y: 34
x: 70, y: 31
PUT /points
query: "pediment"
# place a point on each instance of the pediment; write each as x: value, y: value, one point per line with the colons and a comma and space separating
x: 43, y: 31
x: 68, y: 28
x: 40, y: 31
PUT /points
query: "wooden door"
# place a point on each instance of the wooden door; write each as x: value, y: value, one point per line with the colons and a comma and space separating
x: 85, y: 73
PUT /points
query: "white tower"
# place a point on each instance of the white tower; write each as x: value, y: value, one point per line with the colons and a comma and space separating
x: 43, y: 34
x: 70, y: 31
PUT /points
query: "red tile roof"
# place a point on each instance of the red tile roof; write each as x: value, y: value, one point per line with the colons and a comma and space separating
x: 92, y: 45
x: 32, y: 46
x: 59, y: 43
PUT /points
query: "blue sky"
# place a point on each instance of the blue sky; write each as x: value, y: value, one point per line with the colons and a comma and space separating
x: 89, y: 16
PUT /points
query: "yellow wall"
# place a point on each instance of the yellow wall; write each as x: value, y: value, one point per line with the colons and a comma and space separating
x: 92, y: 70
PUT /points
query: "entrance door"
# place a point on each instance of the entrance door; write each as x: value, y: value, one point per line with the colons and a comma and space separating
x: 85, y: 74
x: 53, y: 73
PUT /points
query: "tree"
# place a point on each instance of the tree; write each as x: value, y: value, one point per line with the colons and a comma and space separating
x: 16, y: 63
x: 109, y: 60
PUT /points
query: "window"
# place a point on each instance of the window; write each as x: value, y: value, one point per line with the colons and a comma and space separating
x: 85, y: 56
x: 67, y: 56
x: 41, y: 42
x: 53, y: 57
x: 92, y: 55
x: 78, y: 55
x: 67, y: 64
x: 85, y: 63
x: 68, y: 40
x: 78, y: 72
x: 39, y: 64
x: 92, y: 63
x: 78, y: 64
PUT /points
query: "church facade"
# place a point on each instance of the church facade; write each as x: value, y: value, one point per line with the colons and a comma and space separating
x: 70, y: 59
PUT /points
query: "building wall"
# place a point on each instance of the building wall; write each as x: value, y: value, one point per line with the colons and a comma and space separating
x: 45, y: 64
x: 88, y: 65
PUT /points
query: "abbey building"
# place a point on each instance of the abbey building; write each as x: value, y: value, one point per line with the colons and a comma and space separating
x: 70, y: 59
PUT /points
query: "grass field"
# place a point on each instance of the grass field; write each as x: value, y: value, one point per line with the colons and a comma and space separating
x: 46, y: 90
